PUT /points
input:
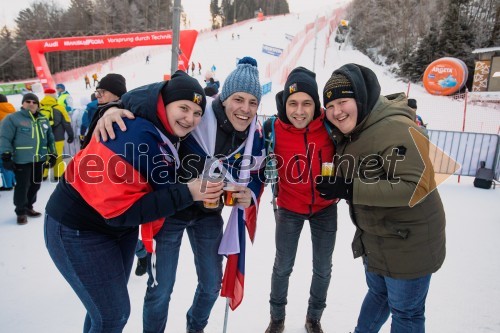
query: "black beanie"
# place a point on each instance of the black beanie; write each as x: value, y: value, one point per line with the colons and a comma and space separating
x: 30, y: 97
x: 412, y: 103
x: 114, y: 83
x: 338, y: 86
x: 3, y: 98
x: 183, y: 87
x: 302, y: 80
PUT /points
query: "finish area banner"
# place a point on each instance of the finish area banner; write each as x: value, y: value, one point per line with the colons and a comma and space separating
x: 38, y: 48
x: 103, y: 42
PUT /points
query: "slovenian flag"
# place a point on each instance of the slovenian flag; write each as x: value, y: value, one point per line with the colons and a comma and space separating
x: 234, y: 238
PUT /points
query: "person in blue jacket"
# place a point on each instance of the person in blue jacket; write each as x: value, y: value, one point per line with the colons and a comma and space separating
x: 110, y: 188
x: 90, y: 110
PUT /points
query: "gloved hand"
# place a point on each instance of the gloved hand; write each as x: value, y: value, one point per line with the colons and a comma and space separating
x: 70, y: 139
x: 51, y: 160
x: 8, y: 163
x: 332, y: 187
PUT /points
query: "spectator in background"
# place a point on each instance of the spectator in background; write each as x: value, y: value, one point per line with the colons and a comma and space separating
x: 8, y: 178
x: 64, y: 98
x: 412, y: 103
x: 199, y: 68
x: 61, y: 124
x: 26, y: 143
x: 210, y: 92
x: 6, y: 108
x: 87, y: 81
x: 94, y: 77
x: 211, y: 81
x: 212, y: 86
x: 109, y: 91
x: 88, y: 115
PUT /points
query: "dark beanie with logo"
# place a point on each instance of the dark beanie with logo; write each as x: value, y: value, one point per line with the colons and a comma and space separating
x: 30, y: 97
x: 181, y: 86
x: 338, y: 86
x: 303, y: 80
x: 114, y: 83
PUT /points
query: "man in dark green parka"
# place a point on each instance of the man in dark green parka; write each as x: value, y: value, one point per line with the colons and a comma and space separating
x: 26, y: 143
x: 389, y: 184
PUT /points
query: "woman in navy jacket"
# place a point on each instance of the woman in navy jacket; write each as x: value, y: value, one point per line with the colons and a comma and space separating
x: 110, y: 188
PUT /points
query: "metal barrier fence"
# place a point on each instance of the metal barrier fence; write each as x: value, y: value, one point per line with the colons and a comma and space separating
x: 468, y: 149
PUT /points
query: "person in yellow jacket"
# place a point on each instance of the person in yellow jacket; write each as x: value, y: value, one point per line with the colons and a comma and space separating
x: 61, y: 124
x: 64, y: 98
x: 5, y: 107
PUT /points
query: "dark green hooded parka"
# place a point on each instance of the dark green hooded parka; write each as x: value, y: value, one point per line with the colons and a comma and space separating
x: 396, y: 239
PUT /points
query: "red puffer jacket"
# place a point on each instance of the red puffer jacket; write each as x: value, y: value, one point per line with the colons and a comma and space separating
x: 300, y: 153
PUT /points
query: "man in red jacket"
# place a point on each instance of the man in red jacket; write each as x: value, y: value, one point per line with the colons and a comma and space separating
x: 301, y: 144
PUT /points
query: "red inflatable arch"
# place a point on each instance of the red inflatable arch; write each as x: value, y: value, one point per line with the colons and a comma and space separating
x: 39, y: 47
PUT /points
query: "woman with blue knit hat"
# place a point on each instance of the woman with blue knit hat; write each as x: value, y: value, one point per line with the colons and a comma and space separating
x: 226, y: 133
x: 110, y: 188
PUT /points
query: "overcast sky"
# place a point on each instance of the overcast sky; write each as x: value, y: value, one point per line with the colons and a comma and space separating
x: 198, y: 14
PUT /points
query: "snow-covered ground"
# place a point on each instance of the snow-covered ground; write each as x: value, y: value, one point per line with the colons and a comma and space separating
x: 464, y: 295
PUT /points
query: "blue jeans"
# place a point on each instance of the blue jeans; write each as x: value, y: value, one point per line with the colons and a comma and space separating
x: 404, y: 299
x: 97, y: 267
x: 323, y: 226
x: 204, y: 235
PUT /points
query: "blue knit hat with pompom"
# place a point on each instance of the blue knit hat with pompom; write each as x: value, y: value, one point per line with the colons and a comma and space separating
x: 245, y: 78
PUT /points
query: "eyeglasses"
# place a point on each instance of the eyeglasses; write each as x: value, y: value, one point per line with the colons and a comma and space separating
x: 99, y: 93
x: 31, y: 102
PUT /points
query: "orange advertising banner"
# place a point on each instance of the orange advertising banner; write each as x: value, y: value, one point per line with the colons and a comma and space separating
x: 445, y: 76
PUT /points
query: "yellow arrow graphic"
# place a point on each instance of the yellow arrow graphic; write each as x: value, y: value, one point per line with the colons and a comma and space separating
x: 438, y: 166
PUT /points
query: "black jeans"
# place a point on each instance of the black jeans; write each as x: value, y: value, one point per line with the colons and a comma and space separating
x: 289, y: 225
x: 29, y: 179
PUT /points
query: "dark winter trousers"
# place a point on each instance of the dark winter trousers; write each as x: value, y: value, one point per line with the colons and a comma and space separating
x: 28, y: 178
x: 289, y: 225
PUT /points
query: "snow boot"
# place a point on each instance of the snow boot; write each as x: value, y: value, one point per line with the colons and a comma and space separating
x: 313, y: 326
x: 276, y: 326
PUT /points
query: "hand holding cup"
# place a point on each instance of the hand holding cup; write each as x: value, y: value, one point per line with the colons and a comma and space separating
x: 206, y: 190
x: 242, y: 195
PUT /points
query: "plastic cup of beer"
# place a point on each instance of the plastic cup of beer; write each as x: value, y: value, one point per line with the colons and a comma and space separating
x: 216, y: 177
x: 228, y: 195
x: 327, y: 169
